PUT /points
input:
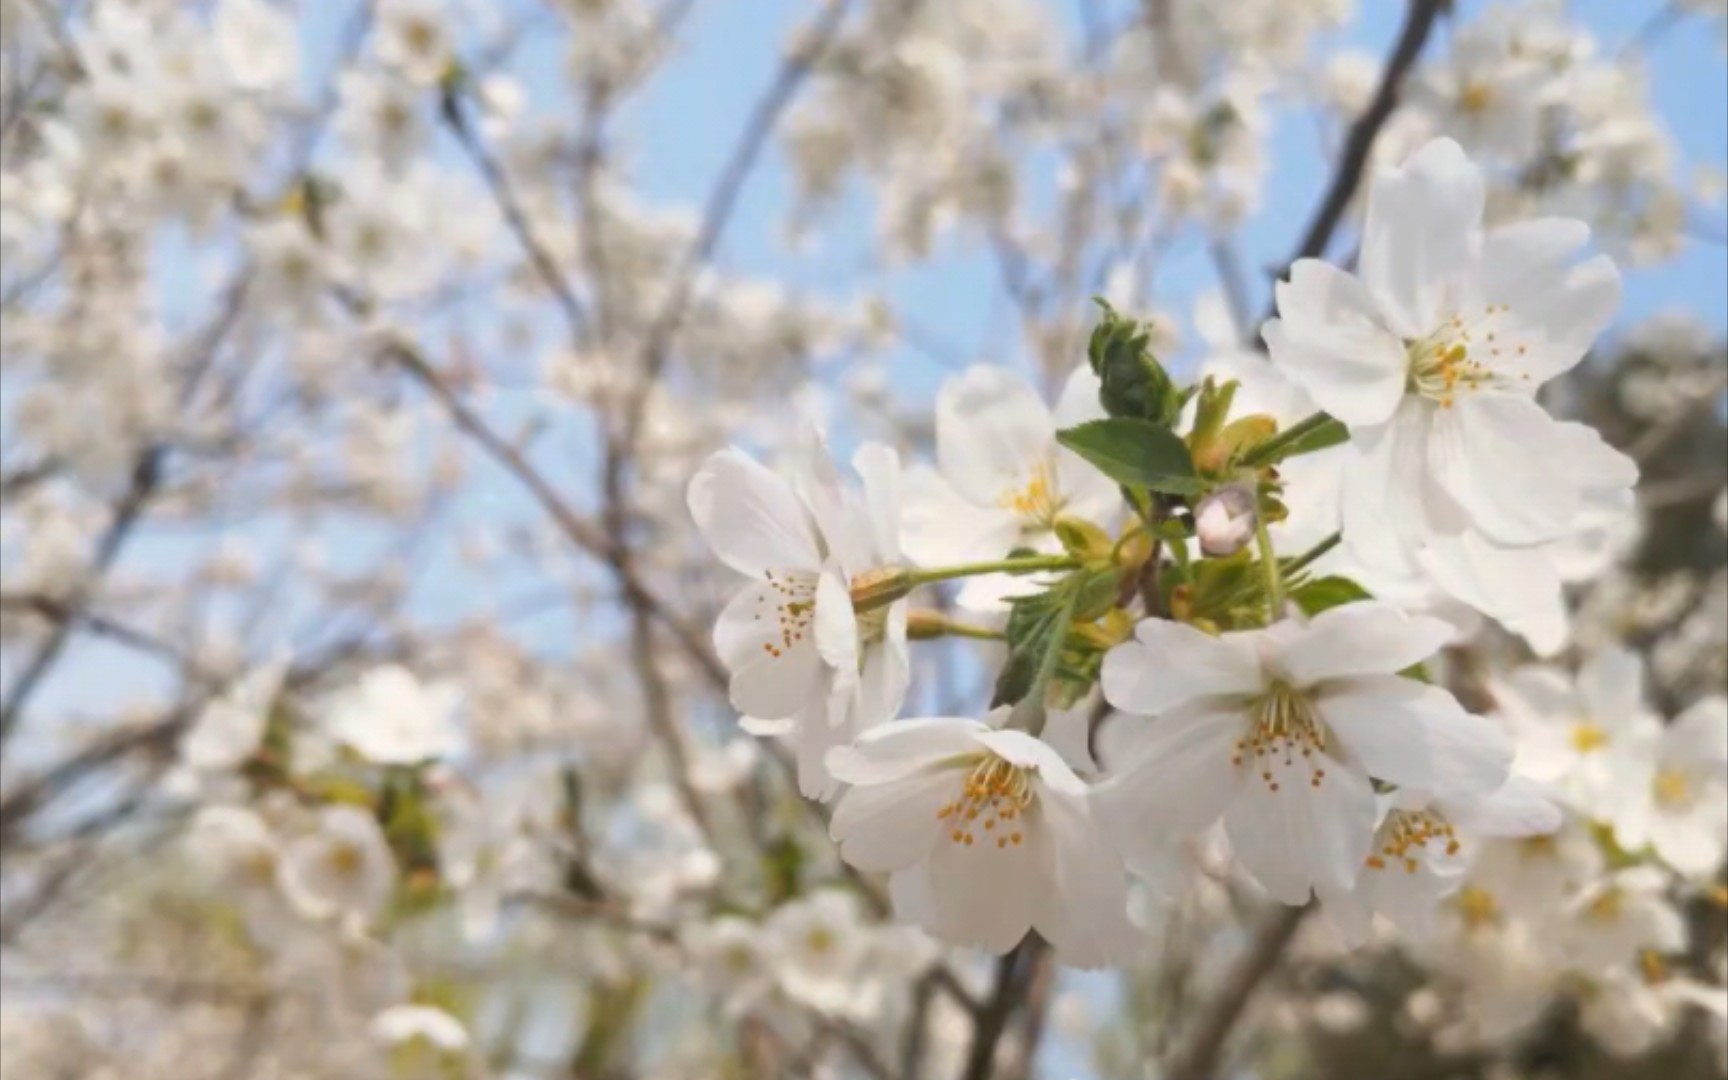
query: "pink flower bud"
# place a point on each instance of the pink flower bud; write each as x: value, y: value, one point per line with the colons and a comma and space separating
x: 1224, y: 520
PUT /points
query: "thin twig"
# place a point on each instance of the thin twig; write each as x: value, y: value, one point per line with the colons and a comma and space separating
x: 1198, y: 1057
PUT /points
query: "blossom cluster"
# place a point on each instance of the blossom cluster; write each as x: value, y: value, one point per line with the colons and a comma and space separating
x: 439, y: 640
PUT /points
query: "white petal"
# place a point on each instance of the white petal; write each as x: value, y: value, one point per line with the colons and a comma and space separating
x: 1423, y: 220
x: 902, y: 747
x: 1699, y: 736
x: 1409, y: 733
x: 1611, y: 690
x: 1505, y: 461
x: 1301, y: 835
x: 942, y: 527
x: 1329, y: 341
x: 887, y: 673
x: 1028, y: 751
x: 1520, y: 807
x: 992, y: 433
x: 1171, y: 663
x: 836, y: 626
x: 1517, y: 586
x: 1079, y: 402
x: 1175, y: 778
x: 1087, y: 920
x: 750, y: 517
x: 775, y: 670
x: 1553, y: 309
x: 986, y: 896
x: 891, y: 826
x: 1365, y: 638
x: 878, y: 468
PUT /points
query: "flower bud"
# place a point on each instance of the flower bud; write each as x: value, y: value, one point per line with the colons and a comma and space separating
x: 1224, y: 520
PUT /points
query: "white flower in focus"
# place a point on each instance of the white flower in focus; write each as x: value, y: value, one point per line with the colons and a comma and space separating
x: 229, y: 729
x: 986, y: 833
x: 392, y: 718
x: 1279, y: 732
x: 1002, y: 481
x: 1422, y: 849
x: 1432, y: 357
x: 796, y: 647
x: 344, y: 870
x: 1581, y: 736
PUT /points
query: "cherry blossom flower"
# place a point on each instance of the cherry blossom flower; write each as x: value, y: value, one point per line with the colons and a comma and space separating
x: 1279, y: 731
x: 1581, y: 736
x: 1001, y: 480
x: 1615, y: 920
x: 1432, y: 357
x: 1677, y: 794
x: 797, y: 648
x: 1422, y: 849
x: 986, y: 834
x: 343, y: 870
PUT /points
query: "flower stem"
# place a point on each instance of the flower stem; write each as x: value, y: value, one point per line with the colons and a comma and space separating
x: 1312, y: 555
x: 923, y: 625
x: 1021, y: 565
x: 1274, y: 575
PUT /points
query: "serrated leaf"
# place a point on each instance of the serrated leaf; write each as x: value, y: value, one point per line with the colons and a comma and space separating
x: 1325, y: 593
x: 1136, y: 453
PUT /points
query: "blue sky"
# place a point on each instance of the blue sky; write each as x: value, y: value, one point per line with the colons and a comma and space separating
x: 686, y: 125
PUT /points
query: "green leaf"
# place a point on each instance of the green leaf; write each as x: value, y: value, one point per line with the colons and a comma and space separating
x: 1135, y: 453
x: 1324, y: 593
x: 1318, y: 432
x: 1131, y: 381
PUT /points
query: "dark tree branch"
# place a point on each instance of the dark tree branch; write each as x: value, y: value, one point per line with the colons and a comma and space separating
x: 1419, y: 20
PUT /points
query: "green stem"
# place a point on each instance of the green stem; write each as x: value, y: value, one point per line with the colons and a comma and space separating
x: 925, y: 625
x: 1274, y: 576
x: 1312, y: 555
x: 1021, y: 565
x: 1275, y: 449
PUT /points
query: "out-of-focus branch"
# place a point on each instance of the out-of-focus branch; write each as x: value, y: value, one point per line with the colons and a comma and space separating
x: 794, y: 70
x: 580, y: 531
x: 1198, y: 1057
x: 1419, y: 20
x: 504, y: 193
x: 1015, y: 975
x: 145, y: 479
x: 645, y: 606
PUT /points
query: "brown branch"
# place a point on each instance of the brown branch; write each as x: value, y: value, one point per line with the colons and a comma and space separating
x: 1015, y: 973
x: 1419, y: 20
x: 1198, y: 1058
